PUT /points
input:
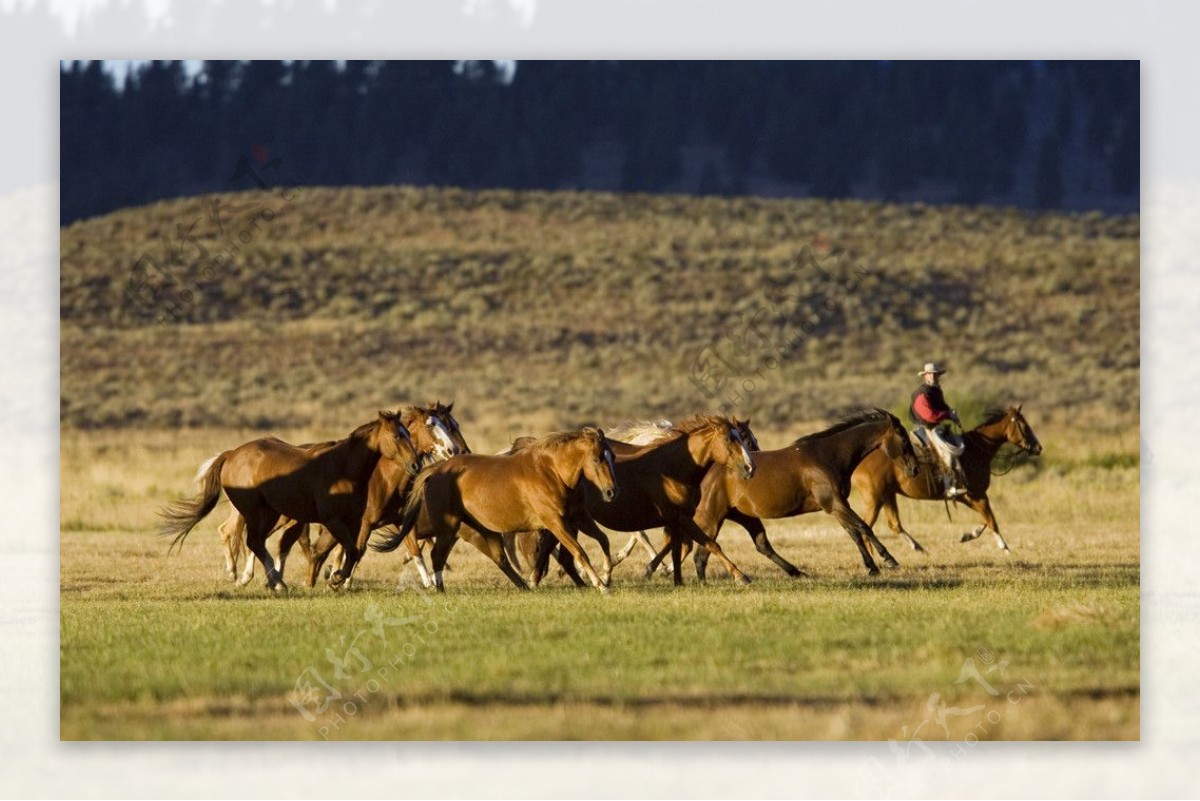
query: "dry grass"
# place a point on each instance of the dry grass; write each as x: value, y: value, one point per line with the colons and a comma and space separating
x: 591, y: 306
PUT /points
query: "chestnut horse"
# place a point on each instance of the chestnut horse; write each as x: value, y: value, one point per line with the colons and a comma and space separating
x: 645, y: 433
x: 498, y: 495
x: 880, y: 482
x: 268, y: 479
x: 812, y: 474
x: 659, y: 484
x: 435, y: 436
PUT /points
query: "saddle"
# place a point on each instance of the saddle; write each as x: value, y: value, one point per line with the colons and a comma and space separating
x: 919, y: 437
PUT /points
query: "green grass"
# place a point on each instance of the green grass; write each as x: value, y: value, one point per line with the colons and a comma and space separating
x: 165, y: 647
x: 830, y: 639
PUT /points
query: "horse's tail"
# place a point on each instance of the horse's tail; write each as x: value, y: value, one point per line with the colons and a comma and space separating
x: 412, y: 508
x: 181, y: 516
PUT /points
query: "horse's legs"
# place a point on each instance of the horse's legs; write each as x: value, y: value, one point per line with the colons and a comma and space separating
x: 892, y: 513
x: 540, y: 544
x: 644, y: 540
x: 491, y: 545
x: 566, y: 535
x: 859, y: 532
x: 635, y: 539
x: 233, y: 534
x: 443, y: 543
x: 413, y: 546
x: 317, y: 554
x: 623, y: 554
x: 589, y: 527
x: 259, y: 524
x: 700, y: 560
x: 703, y: 539
x: 233, y: 538
x: 348, y: 539
x: 661, y: 553
x: 513, y: 548
x: 984, y: 507
x: 677, y: 560
x: 289, y: 537
x: 758, y: 534
x: 565, y: 562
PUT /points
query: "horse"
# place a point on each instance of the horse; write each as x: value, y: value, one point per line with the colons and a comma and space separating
x: 268, y: 479
x: 659, y: 485
x: 811, y: 474
x: 647, y: 432
x: 879, y: 482
x: 640, y: 432
x: 436, y: 436
x: 497, y: 495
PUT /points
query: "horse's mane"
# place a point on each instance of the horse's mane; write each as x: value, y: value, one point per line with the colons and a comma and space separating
x: 518, y: 444
x: 699, y: 421
x: 851, y: 419
x: 560, y: 438
x: 640, y: 432
x: 994, y: 414
x: 364, y: 431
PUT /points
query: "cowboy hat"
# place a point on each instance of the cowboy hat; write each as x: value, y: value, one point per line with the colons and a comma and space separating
x: 932, y: 367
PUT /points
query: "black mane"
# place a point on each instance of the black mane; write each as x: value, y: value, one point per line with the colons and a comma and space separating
x: 852, y: 418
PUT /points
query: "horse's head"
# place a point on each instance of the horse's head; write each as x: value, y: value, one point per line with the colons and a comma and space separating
x: 897, y: 445
x: 437, y: 421
x: 716, y: 439
x: 599, y: 467
x: 741, y: 442
x: 395, y: 442
x: 1018, y: 432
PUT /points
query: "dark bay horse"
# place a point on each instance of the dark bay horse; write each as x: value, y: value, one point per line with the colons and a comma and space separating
x: 436, y: 436
x: 498, y: 495
x: 812, y: 474
x: 268, y: 480
x: 659, y: 487
x: 879, y: 482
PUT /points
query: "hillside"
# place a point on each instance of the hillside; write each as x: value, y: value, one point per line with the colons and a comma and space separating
x: 535, y: 310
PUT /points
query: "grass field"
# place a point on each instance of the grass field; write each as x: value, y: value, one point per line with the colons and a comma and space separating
x: 536, y: 311
x: 164, y: 647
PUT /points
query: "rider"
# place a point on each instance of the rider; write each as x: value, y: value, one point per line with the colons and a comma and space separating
x: 928, y: 410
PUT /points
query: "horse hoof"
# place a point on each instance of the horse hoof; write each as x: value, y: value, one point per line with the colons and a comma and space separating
x: 891, y: 563
x: 966, y: 537
x: 918, y: 547
x: 872, y: 571
x: 743, y: 579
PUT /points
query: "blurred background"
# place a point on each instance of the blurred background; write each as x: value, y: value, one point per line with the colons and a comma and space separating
x: 1047, y: 135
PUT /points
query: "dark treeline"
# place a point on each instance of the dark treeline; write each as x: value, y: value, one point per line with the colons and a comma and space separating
x: 1042, y: 135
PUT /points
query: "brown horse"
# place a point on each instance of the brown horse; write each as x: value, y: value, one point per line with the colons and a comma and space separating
x: 436, y: 436
x: 647, y: 432
x: 813, y: 474
x: 879, y: 482
x: 659, y: 484
x: 267, y: 480
x: 498, y: 495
